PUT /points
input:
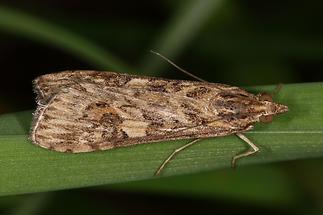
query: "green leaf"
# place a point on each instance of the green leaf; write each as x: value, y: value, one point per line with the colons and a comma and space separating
x: 264, y: 185
x: 25, y: 25
x: 26, y: 168
x: 187, y: 23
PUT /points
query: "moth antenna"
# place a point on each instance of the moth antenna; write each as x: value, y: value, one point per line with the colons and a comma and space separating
x: 177, y: 67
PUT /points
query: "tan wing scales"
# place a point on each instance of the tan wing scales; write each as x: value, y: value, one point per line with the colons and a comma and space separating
x: 87, y: 117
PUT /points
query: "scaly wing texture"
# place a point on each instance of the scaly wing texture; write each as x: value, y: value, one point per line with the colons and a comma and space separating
x: 48, y: 85
x: 88, y: 116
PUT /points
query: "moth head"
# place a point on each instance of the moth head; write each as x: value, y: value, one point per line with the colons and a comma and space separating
x: 270, y: 108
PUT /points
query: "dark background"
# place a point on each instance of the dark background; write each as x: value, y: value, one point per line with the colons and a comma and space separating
x: 241, y: 43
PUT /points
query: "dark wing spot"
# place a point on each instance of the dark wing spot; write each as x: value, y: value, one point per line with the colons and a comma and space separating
x: 124, y: 134
x: 110, y: 118
x: 157, y: 88
x: 227, y: 96
x: 197, y: 92
x: 176, y: 86
x: 102, y: 104
x: 96, y: 105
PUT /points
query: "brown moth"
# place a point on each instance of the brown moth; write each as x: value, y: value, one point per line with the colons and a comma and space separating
x: 84, y: 111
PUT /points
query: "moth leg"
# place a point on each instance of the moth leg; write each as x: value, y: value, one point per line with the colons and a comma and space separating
x: 249, y: 152
x: 173, y: 154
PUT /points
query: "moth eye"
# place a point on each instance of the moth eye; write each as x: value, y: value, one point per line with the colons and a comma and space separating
x: 265, y: 97
x: 266, y: 119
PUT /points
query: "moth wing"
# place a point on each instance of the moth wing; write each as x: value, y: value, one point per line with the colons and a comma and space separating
x: 48, y: 85
x: 88, y: 117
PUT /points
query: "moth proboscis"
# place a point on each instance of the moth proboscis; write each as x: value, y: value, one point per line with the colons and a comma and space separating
x: 84, y: 111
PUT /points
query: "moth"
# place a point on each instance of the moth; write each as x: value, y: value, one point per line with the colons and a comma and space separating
x: 84, y: 111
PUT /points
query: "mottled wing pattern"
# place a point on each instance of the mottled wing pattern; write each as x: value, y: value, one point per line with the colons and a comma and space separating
x: 89, y: 116
x: 48, y: 85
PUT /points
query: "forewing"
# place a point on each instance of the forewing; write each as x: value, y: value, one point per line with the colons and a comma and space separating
x: 46, y: 86
x: 87, y: 117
